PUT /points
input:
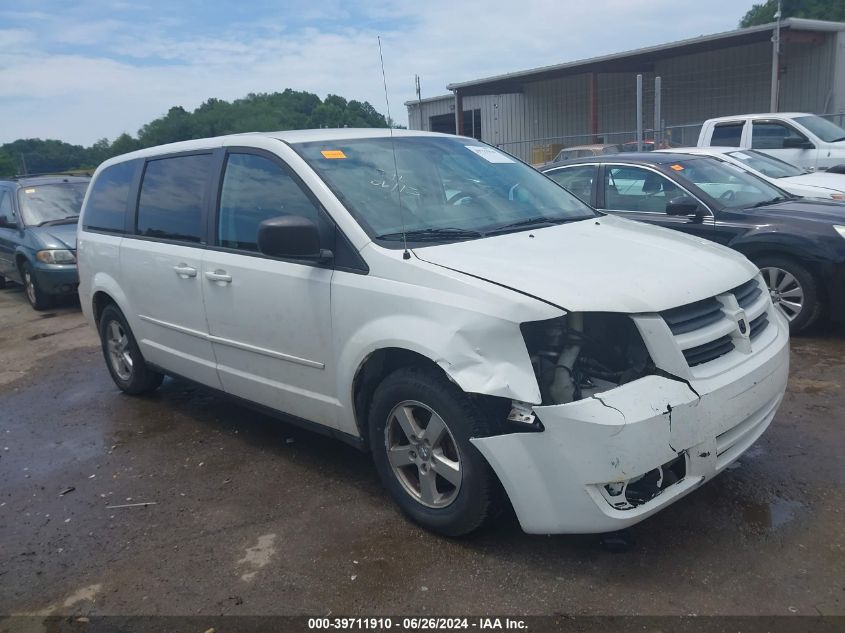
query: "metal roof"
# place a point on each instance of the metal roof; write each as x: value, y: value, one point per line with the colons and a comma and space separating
x: 640, y: 59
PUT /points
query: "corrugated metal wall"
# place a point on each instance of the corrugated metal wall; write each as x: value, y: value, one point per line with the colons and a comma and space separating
x: 731, y: 80
x: 807, y: 79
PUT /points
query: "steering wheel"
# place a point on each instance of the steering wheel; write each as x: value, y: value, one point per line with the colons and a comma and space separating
x: 727, y: 196
x: 456, y: 199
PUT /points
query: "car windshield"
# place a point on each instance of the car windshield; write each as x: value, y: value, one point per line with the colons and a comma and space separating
x: 766, y: 165
x: 438, y: 188
x: 826, y: 130
x: 49, y: 203
x: 731, y: 185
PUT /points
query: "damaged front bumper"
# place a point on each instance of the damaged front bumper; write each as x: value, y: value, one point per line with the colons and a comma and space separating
x: 572, y: 477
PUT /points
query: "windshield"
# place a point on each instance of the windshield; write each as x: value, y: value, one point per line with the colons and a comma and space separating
x: 46, y: 203
x: 731, y: 185
x: 447, y: 188
x: 826, y: 130
x: 766, y: 165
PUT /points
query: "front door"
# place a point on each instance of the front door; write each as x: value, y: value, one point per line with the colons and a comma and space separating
x: 639, y: 193
x: 269, y: 319
x: 781, y: 141
x: 161, y: 267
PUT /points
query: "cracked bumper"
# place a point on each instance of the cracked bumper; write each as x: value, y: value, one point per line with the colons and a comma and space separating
x: 554, y: 478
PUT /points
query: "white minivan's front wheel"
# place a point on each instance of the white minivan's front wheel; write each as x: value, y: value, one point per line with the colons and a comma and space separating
x: 420, y: 425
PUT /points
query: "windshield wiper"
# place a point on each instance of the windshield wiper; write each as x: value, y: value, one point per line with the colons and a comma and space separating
x: 66, y: 220
x: 539, y: 221
x: 766, y: 203
x: 432, y: 234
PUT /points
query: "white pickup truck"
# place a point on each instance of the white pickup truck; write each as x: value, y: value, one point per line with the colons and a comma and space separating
x: 804, y: 140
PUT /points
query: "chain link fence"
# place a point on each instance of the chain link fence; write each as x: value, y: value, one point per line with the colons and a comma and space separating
x: 542, y: 150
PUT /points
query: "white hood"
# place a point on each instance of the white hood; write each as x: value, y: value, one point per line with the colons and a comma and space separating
x: 834, y: 183
x: 605, y: 264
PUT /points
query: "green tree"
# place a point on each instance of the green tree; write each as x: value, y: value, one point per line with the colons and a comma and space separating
x: 763, y: 13
x: 287, y: 110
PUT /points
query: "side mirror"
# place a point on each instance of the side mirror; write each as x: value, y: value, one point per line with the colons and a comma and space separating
x: 683, y: 206
x: 291, y: 237
x: 5, y: 224
x: 795, y: 142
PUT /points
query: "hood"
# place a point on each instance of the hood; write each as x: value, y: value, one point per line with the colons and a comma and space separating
x: 824, y: 211
x: 605, y: 264
x: 59, y: 236
x: 821, y: 180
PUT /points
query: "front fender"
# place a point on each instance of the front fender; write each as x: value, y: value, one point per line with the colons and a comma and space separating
x: 799, y: 246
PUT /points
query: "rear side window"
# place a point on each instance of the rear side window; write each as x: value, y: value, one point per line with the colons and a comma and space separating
x: 256, y: 189
x: 727, y: 135
x: 576, y: 180
x: 106, y: 209
x: 172, y: 198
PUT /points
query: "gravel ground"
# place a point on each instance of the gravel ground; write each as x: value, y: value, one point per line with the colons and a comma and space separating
x: 252, y: 516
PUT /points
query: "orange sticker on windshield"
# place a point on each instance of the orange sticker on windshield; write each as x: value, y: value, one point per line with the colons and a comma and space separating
x: 676, y: 167
x: 333, y: 153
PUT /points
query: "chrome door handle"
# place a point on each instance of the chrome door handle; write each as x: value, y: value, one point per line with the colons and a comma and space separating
x: 218, y: 275
x: 183, y: 270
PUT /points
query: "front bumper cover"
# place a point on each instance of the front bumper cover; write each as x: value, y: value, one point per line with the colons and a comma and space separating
x: 554, y: 478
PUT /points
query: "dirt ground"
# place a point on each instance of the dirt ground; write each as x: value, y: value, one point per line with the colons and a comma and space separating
x: 252, y: 516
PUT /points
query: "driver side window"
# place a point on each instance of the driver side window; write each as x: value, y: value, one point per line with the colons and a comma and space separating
x: 639, y: 190
x: 771, y: 135
x: 256, y: 189
x: 6, y: 212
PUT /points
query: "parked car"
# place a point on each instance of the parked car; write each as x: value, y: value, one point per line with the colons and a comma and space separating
x: 503, y: 332
x: 797, y: 243
x: 582, y: 151
x: 805, y: 140
x: 38, y: 216
x: 798, y: 182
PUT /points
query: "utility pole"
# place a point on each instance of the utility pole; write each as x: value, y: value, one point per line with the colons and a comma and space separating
x: 639, y: 113
x: 773, y: 104
x: 419, y: 101
x: 658, y: 128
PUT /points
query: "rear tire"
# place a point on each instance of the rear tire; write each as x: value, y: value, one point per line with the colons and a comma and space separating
x: 794, y: 290
x: 37, y: 298
x: 413, y: 468
x: 123, y: 358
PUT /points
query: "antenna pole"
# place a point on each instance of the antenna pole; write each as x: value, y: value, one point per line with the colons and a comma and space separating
x: 406, y: 254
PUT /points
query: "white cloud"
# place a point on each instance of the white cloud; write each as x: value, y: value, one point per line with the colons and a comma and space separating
x: 143, y: 67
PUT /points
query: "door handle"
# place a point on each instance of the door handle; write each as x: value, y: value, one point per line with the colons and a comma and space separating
x: 219, y: 276
x: 185, y: 271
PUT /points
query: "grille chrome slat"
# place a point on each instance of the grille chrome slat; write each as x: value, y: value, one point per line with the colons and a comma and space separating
x: 747, y: 293
x: 693, y: 316
x: 709, y: 351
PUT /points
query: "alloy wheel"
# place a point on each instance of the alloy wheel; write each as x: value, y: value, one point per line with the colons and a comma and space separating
x: 785, y: 290
x: 120, y: 355
x: 423, y: 454
x: 29, y: 287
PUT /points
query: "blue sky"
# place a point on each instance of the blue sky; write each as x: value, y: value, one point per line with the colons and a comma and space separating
x: 84, y: 71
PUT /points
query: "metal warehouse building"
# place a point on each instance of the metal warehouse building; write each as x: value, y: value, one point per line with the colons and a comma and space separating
x: 533, y: 113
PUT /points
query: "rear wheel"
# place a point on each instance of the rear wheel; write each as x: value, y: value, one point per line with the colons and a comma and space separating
x: 794, y: 290
x: 37, y: 298
x: 123, y: 358
x: 420, y: 426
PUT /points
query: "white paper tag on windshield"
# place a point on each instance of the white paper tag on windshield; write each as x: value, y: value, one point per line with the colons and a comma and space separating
x: 489, y: 154
x: 740, y: 155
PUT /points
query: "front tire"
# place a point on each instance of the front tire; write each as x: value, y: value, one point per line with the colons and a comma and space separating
x: 420, y: 425
x: 794, y: 290
x: 123, y: 357
x: 37, y: 298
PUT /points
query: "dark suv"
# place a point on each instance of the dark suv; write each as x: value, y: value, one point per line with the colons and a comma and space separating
x: 38, y: 216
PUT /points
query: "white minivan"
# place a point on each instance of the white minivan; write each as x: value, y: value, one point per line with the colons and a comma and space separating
x: 483, y: 333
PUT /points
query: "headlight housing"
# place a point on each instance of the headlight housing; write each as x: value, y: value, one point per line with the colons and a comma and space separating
x: 57, y: 256
x: 839, y: 228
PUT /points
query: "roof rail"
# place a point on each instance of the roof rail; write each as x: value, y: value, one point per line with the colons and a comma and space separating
x: 72, y: 172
